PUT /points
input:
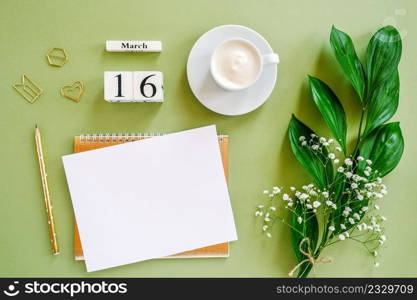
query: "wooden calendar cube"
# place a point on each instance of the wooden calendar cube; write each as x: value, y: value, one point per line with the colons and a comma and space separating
x: 118, y: 86
x: 148, y: 86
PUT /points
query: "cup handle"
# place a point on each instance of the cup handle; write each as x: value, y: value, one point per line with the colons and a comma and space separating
x: 270, y: 58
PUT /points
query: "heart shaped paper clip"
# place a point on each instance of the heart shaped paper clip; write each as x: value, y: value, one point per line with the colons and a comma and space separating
x: 68, y: 91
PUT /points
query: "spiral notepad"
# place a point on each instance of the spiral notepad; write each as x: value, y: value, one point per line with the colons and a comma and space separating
x: 95, y: 141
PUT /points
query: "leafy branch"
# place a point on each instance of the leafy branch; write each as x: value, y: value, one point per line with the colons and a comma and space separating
x: 342, y: 193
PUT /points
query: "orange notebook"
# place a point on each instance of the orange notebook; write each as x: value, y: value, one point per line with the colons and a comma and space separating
x: 89, y: 142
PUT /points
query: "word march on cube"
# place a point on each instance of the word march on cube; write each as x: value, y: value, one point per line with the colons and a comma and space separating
x: 137, y: 86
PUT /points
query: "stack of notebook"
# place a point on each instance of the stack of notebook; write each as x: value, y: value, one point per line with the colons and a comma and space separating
x: 139, y: 197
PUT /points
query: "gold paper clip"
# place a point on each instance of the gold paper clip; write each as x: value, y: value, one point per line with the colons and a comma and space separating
x: 73, y: 91
x: 28, y: 89
x: 57, y: 57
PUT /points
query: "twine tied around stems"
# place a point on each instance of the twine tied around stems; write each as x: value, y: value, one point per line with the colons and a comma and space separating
x: 310, y: 257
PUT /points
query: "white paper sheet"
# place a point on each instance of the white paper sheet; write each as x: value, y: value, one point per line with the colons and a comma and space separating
x: 150, y: 198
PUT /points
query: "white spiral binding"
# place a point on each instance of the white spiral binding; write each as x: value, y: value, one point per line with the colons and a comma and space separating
x: 122, y: 137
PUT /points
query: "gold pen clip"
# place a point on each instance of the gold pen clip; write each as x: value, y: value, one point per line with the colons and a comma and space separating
x: 28, y: 89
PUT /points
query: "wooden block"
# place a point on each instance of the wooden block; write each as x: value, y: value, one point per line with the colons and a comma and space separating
x: 118, y: 86
x: 133, y: 46
x: 148, y: 86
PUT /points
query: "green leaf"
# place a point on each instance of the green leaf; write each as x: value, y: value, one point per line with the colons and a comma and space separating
x: 384, y: 147
x: 313, y: 162
x: 382, y: 57
x: 330, y: 108
x: 345, y: 53
x: 310, y: 228
x: 383, y: 103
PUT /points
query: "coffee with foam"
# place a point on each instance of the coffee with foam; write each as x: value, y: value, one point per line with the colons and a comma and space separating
x: 236, y: 64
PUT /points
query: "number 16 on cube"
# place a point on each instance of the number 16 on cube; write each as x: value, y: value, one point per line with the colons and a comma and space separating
x: 139, y: 86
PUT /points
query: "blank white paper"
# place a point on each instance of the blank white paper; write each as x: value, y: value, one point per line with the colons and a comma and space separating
x: 150, y: 198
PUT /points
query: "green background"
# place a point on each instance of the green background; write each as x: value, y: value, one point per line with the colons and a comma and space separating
x: 259, y: 151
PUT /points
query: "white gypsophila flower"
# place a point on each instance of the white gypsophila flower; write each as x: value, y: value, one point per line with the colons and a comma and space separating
x: 315, y: 147
x: 258, y: 213
x: 292, y: 188
x: 356, y: 177
x: 309, y: 206
x: 329, y: 203
x: 383, y: 218
x: 332, y: 156
x: 266, y: 219
x: 357, y: 216
x: 340, y: 169
x: 260, y: 206
x: 342, y: 237
x: 297, y: 194
x: 322, y: 139
x: 276, y: 190
x: 273, y: 208
x: 313, y: 135
x: 365, y: 208
x: 331, y: 228
x: 268, y: 234
x: 267, y: 215
x: 360, y: 197
x: 354, y: 185
x: 343, y: 226
x: 384, y: 191
x: 326, y: 144
x: 379, y: 195
x: 367, y: 173
x: 376, y: 206
x: 316, y: 204
x: 330, y: 141
x: 271, y: 195
x: 376, y: 265
x: 383, y: 238
x: 325, y: 194
x: 303, y: 196
x: 290, y: 204
x: 302, y: 138
x: 347, y: 234
x: 336, y: 161
x: 351, y: 221
x: 265, y: 192
x: 375, y: 253
x: 339, y: 149
x: 286, y: 197
x: 348, y: 174
x: 348, y: 162
x: 304, y: 143
x: 299, y: 220
x: 265, y: 227
x: 369, y: 162
x: 360, y: 158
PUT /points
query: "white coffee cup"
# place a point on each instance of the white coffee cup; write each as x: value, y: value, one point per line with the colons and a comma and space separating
x: 237, y: 63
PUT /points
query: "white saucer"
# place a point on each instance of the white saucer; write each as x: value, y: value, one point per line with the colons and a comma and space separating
x: 212, y: 96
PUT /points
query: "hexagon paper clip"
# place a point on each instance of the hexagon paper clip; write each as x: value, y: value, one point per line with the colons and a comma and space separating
x: 57, y: 57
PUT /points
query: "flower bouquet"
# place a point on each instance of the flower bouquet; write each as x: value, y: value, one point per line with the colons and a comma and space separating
x: 343, y: 200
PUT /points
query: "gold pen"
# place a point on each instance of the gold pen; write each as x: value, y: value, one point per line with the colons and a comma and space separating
x: 48, y: 205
